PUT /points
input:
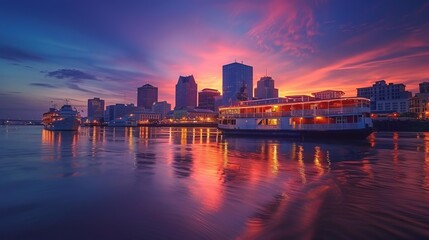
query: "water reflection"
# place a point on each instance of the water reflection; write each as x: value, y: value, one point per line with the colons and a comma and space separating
x: 57, y: 145
x: 145, y: 160
x: 183, y: 161
x: 61, y: 146
x: 301, y: 165
x: 426, y: 164
x: 192, y: 183
x: 317, y: 160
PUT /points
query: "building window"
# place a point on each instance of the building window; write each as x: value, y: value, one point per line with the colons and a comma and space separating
x: 403, y: 107
x: 387, y: 106
x: 395, y: 106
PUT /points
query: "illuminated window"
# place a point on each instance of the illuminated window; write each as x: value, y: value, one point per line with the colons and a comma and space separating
x: 273, y: 122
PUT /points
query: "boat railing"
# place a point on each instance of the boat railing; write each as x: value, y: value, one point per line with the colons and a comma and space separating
x: 301, y: 113
x: 332, y: 126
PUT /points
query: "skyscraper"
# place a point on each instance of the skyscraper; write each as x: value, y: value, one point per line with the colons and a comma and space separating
x: 186, y: 92
x: 147, y: 95
x: 265, y: 88
x: 206, y: 98
x: 234, y: 77
x: 95, y: 109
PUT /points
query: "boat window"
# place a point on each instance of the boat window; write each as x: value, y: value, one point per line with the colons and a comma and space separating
x: 350, y: 103
x: 335, y: 104
x: 341, y: 120
x: 285, y: 108
x: 322, y: 105
x: 273, y: 122
x: 228, y: 121
x: 307, y: 106
x: 269, y: 121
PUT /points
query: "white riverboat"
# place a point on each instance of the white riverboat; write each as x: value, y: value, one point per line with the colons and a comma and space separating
x: 331, y: 118
x: 64, y: 119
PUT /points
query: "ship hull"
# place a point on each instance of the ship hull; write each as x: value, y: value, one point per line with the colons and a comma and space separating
x: 66, y: 124
x: 325, y: 134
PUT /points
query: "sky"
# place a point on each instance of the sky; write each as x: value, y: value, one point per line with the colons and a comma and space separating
x: 76, y: 50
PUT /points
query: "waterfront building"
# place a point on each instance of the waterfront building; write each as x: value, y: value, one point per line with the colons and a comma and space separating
x: 328, y: 94
x: 95, y: 110
x: 186, y: 92
x: 419, y: 104
x: 121, y: 110
x: 147, y: 95
x: 424, y: 87
x: 109, y: 113
x: 236, y: 76
x: 206, y: 98
x: 189, y: 114
x: 218, y: 102
x: 204, y: 115
x: 145, y: 116
x: 265, y: 88
x: 386, y: 98
x: 161, y: 108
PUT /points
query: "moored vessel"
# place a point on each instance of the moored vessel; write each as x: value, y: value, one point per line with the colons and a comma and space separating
x: 64, y: 119
x: 330, y: 118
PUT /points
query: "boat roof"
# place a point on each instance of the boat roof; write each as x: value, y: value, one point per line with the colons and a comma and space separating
x: 285, y: 101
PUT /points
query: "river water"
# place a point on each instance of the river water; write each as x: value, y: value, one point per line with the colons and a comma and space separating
x: 194, y: 183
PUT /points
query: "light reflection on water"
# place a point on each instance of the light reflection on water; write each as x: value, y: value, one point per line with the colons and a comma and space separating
x: 179, y: 183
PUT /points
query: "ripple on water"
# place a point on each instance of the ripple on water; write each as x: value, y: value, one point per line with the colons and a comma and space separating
x: 192, y: 183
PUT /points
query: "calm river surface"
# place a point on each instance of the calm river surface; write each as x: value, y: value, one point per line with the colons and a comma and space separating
x: 194, y: 183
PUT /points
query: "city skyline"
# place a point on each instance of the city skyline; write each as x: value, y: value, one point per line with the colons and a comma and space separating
x: 47, y: 53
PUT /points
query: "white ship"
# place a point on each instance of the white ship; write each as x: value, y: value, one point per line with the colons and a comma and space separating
x: 64, y: 119
x: 331, y: 118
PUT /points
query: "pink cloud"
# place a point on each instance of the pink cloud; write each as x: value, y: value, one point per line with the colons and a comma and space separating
x: 288, y: 25
x: 276, y: 36
x: 397, y: 61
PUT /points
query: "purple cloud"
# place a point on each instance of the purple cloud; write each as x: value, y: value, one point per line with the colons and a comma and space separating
x: 71, y: 74
x: 46, y: 85
x: 16, y: 54
x: 78, y: 88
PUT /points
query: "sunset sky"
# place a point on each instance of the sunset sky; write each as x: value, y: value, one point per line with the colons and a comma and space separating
x: 56, y: 50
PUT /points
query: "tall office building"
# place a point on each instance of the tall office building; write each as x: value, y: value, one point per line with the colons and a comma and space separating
x: 265, y: 88
x: 206, y: 98
x: 386, y: 98
x: 147, y: 95
x: 95, y: 109
x: 235, y: 76
x: 186, y: 92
